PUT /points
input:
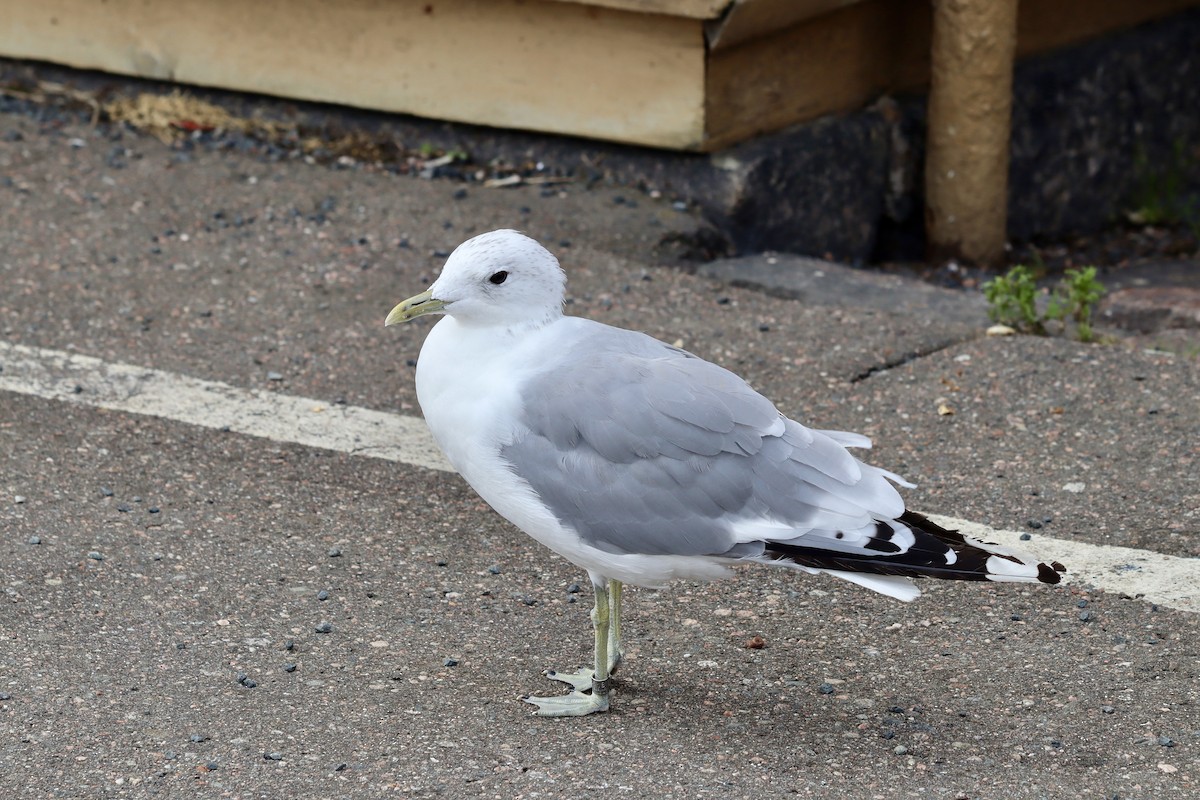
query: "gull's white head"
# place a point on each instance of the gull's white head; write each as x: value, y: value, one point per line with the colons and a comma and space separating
x: 501, y: 278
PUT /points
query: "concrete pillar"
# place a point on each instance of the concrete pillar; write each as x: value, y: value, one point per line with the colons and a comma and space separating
x: 970, y: 114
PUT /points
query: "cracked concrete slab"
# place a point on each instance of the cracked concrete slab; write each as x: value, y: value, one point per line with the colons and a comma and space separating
x: 814, y: 281
x: 944, y: 317
x: 1090, y: 442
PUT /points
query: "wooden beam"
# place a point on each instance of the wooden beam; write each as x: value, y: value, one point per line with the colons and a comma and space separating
x: 541, y: 65
x: 831, y: 63
x: 752, y: 19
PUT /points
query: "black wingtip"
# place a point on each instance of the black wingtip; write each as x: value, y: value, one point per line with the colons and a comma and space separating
x: 1046, y: 573
x: 1049, y: 573
x: 937, y: 552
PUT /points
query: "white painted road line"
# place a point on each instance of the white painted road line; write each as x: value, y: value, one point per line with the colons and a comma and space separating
x: 58, y: 375
x: 1167, y: 580
x: 74, y: 378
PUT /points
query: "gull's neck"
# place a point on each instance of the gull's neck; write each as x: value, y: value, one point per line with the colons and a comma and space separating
x: 512, y: 329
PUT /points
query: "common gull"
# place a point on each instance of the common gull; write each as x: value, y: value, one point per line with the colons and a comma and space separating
x: 643, y: 464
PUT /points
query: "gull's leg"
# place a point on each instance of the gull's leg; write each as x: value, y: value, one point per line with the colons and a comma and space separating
x: 614, y: 626
x: 589, y: 687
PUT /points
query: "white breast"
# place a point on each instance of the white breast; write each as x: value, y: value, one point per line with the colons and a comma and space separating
x: 468, y: 384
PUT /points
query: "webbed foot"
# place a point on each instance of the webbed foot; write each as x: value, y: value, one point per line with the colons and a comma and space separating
x: 580, y: 681
x: 587, y: 696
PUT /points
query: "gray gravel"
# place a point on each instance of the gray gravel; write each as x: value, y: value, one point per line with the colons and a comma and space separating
x: 120, y: 677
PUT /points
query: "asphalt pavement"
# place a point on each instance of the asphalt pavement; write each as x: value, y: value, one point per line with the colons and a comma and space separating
x: 191, y: 608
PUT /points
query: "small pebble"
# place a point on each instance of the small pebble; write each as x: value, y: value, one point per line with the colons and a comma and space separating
x: 289, y: 645
x: 764, y: 328
x: 211, y: 766
x: 35, y: 540
x: 274, y: 376
x: 494, y: 569
x: 1108, y: 710
x: 450, y: 662
x: 1082, y: 604
x: 899, y: 749
x: 1084, y: 616
x: 441, y: 563
x: 96, y: 555
x: 106, y: 492
x: 197, y: 737
x: 529, y: 601
x: 1166, y: 741
x: 335, y: 552
x: 826, y: 688
x: 324, y: 627
x: 573, y: 589
x: 249, y: 683
x: 19, y: 499
x: 1034, y: 523
x: 273, y: 756
x: 241, y: 677
x: 1025, y: 537
x: 322, y: 595
x: 289, y: 667
x: 123, y: 508
x: 153, y: 509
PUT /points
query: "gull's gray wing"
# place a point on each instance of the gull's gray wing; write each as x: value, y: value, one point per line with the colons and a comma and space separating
x: 643, y: 448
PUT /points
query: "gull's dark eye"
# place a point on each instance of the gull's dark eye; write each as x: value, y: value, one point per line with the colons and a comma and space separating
x: 498, y: 277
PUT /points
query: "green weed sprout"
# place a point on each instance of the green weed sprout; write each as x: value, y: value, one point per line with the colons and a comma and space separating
x: 1012, y: 300
x: 1082, y: 291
